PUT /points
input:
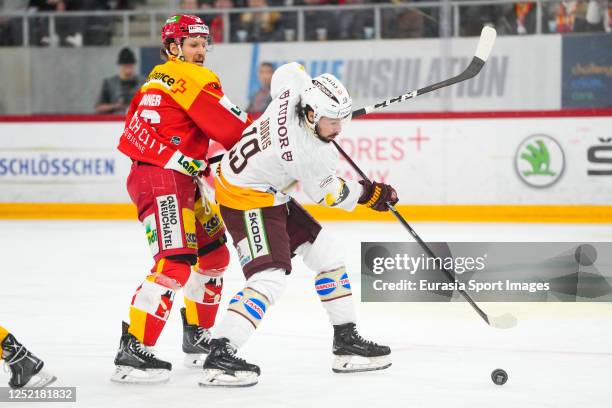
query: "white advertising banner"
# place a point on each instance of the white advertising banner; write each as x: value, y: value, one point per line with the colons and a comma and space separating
x: 62, y: 162
x: 519, y: 75
x: 487, y: 161
x: 433, y: 161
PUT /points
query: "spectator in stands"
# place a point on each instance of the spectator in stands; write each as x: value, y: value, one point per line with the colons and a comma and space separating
x: 319, y: 25
x: 98, y: 29
x: 72, y: 31
x: 117, y: 91
x: 355, y: 24
x: 598, y: 13
x: 10, y: 28
x: 576, y: 16
x: 519, y: 18
x: 216, y: 23
x: 189, y: 5
x: 404, y: 23
x: 261, y: 99
x: 474, y: 17
x: 410, y: 22
x: 68, y: 30
x: 564, y: 17
x: 259, y: 25
x: 608, y: 17
x: 123, y: 4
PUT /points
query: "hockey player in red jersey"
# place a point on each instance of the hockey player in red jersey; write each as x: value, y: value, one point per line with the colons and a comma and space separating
x: 169, y: 124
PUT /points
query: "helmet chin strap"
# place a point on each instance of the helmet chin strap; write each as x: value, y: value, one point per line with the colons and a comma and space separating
x: 314, y: 128
x: 180, y: 53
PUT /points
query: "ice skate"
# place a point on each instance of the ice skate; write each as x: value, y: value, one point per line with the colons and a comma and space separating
x: 137, y: 364
x: 196, y: 343
x: 354, y: 354
x: 26, y: 369
x: 223, y: 368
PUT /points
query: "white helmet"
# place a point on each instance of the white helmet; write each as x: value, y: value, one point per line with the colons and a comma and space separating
x: 327, y: 97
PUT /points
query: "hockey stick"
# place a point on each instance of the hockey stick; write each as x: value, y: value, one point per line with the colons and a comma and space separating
x: 483, y: 49
x: 505, y: 321
x: 485, y: 45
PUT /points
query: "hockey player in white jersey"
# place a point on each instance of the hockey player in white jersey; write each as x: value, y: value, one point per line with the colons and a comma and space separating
x: 290, y: 143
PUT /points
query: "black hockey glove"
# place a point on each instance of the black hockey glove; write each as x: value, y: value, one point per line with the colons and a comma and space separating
x: 375, y: 195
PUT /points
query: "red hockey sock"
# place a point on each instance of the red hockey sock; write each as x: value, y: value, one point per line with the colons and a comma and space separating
x: 203, y: 289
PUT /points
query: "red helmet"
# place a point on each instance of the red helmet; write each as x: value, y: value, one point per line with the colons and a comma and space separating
x: 184, y: 25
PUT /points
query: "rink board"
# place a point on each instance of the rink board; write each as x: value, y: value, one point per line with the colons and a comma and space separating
x: 459, y: 167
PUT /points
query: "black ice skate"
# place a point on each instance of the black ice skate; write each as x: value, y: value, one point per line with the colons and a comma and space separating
x: 223, y: 368
x: 353, y: 353
x: 26, y: 368
x: 196, y: 343
x: 137, y: 364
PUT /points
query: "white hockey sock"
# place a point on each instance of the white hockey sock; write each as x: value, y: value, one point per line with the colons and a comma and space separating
x: 341, y: 311
x: 235, y: 328
x: 248, y: 307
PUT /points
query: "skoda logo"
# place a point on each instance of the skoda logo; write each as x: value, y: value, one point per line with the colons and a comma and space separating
x: 539, y: 161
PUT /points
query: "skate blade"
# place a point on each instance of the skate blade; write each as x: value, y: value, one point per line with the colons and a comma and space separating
x: 131, y: 375
x: 194, y: 360
x: 218, y: 378
x: 356, y: 364
x: 41, y: 379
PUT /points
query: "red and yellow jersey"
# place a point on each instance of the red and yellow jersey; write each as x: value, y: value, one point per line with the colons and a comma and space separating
x: 177, y: 111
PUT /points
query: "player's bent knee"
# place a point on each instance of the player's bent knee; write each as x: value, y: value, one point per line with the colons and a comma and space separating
x: 203, y: 289
x: 215, y: 262
x: 171, y: 272
x: 323, y: 254
x: 270, y: 282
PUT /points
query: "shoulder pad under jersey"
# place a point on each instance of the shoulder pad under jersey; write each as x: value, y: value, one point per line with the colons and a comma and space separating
x: 291, y: 75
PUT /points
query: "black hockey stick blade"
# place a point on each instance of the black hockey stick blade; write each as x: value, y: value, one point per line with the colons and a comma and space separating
x: 505, y: 321
x: 483, y: 50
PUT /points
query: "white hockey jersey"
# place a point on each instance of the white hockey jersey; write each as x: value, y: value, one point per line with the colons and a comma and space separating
x: 275, y: 152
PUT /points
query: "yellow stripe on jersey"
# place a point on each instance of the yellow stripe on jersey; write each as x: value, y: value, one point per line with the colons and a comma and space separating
x: 180, y: 80
x: 240, y: 198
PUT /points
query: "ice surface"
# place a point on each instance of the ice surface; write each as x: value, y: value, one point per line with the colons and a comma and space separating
x: 66, y: 286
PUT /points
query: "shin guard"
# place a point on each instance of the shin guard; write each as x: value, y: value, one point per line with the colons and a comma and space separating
x: 150, y: 310
x: 204, y: 287
x: 202, y: 297
x: 152, y: 302
x: 250, y: 304
x: 334, y: 290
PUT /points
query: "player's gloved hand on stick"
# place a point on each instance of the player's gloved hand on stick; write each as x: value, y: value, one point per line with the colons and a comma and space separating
x: 375, y: 195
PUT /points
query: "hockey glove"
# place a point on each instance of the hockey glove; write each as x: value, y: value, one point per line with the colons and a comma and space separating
x: 375, y: 195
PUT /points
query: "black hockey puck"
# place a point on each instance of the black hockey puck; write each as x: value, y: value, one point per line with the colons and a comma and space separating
x: 499, y: 376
